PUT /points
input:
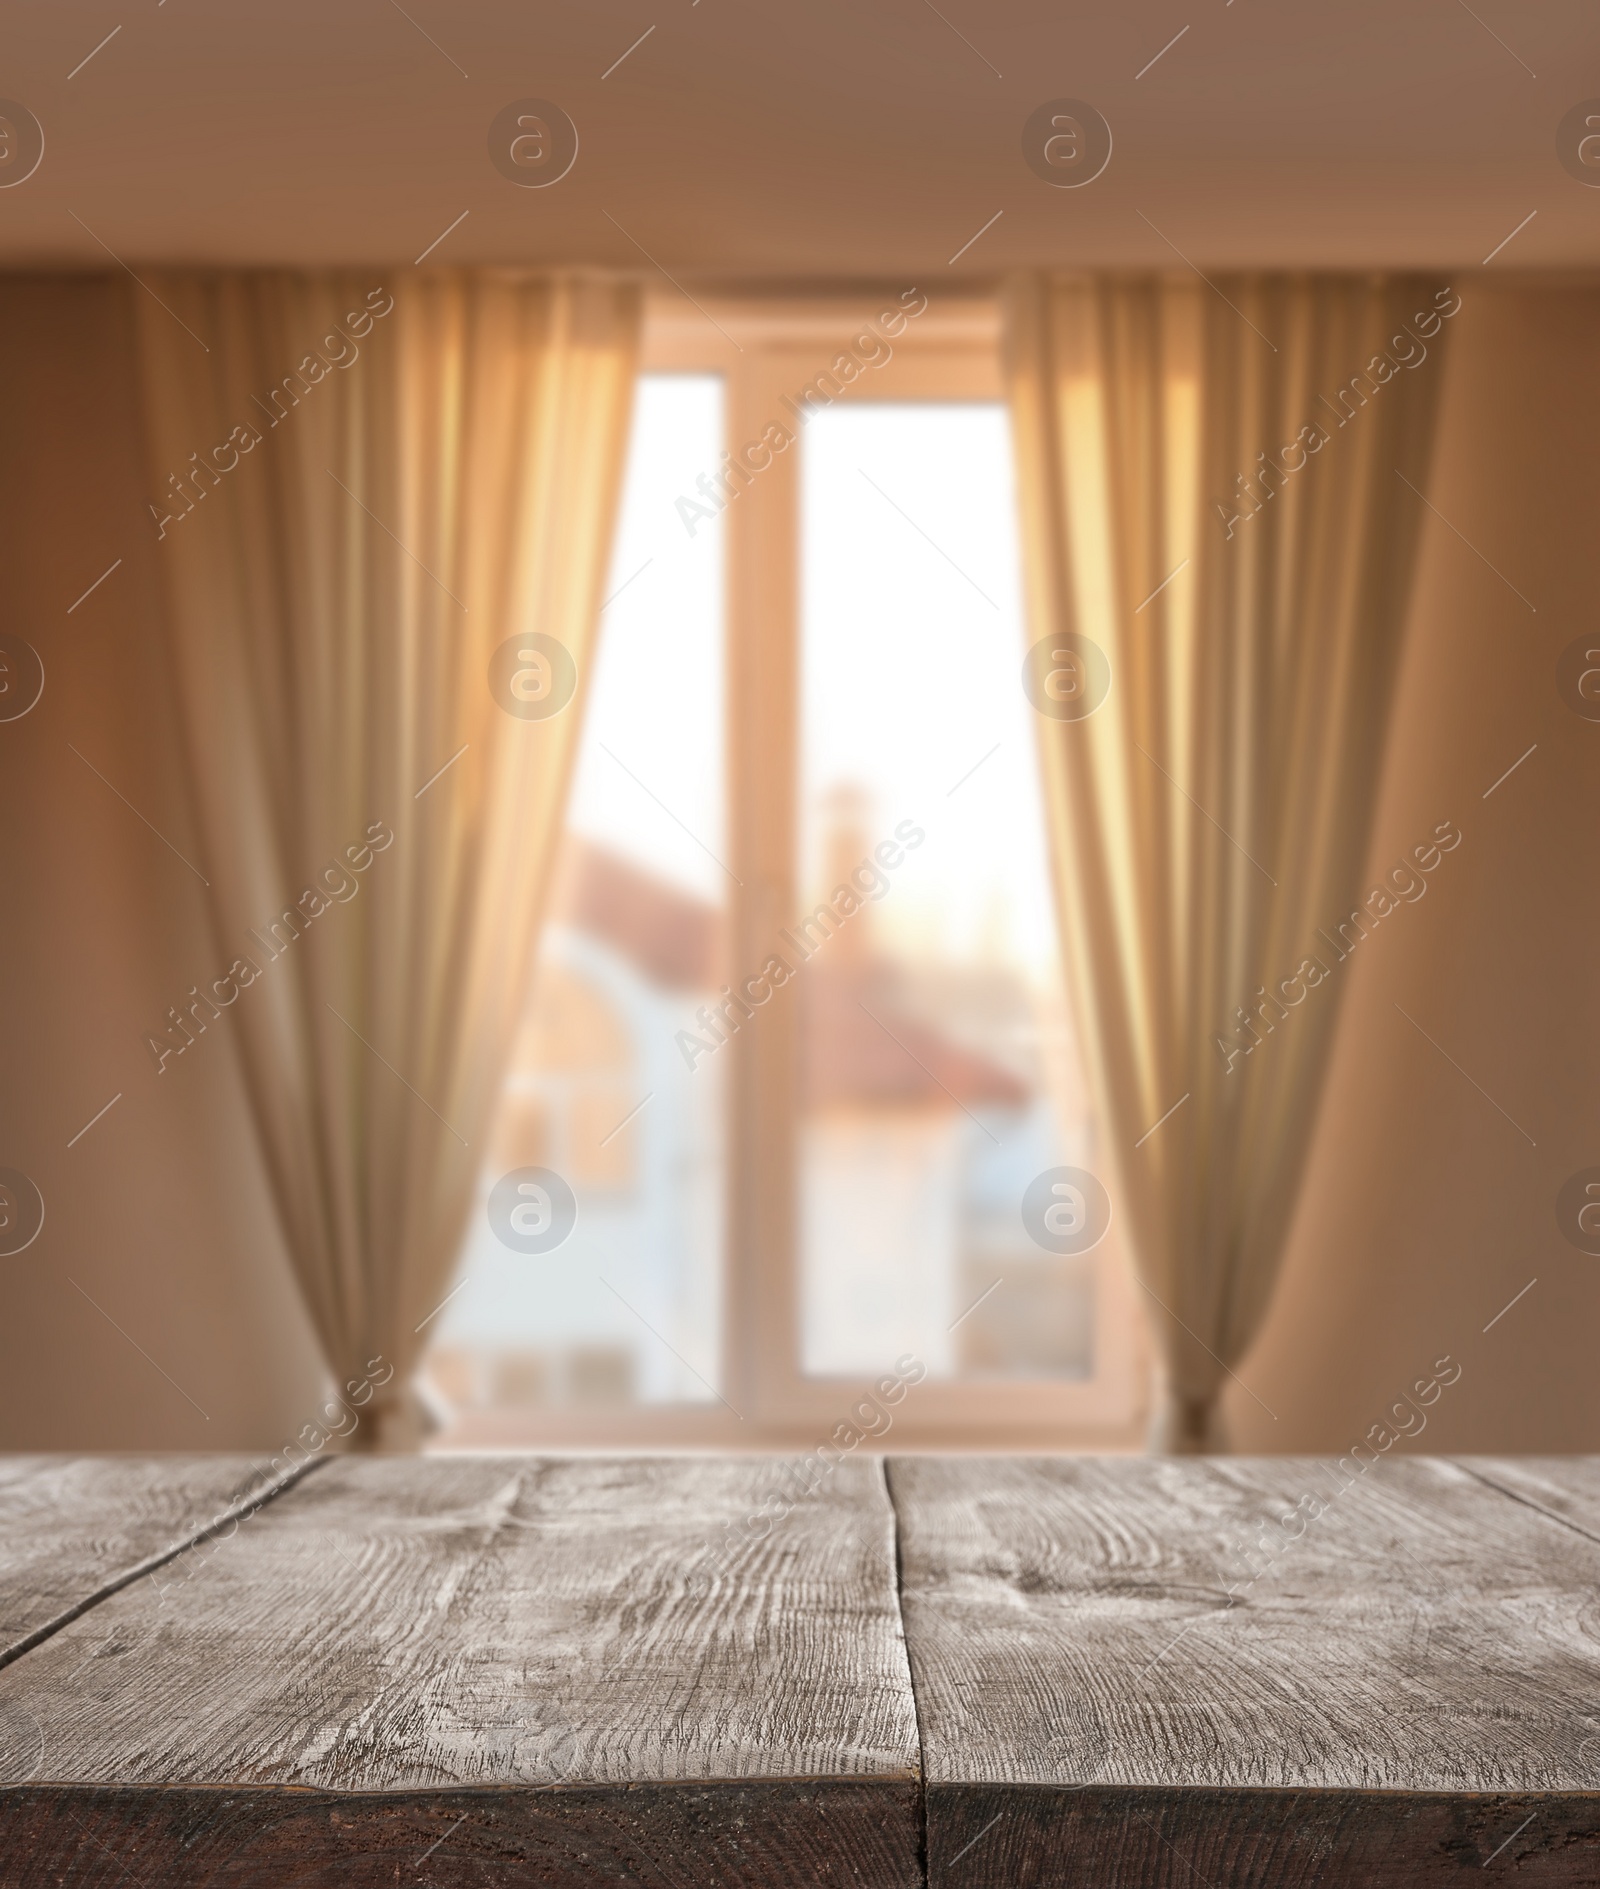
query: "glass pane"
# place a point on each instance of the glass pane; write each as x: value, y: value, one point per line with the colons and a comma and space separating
x: 939, y: 1070
x: 627, y: 1310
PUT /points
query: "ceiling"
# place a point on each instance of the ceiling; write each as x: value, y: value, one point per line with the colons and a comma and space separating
x: 753, y: 141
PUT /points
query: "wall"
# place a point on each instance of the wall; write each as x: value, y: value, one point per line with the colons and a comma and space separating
x: 1426, y: 1210
x: 155, y: 1220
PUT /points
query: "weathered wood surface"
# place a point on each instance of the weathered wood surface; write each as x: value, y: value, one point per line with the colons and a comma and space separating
x: 1118, y: 1684
x: 1565, y: 1487
x: 73, y: 1528
x: 536, y: 1662
x: 481, y: 1670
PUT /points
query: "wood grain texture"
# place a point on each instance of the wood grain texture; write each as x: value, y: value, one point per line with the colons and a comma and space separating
x: 475, y: 1671
x: 843, y: 1834
x: 71, y: 1528
x: 1030, y: 1837
x: 1118, y: 1684
x: 1565, y: 1487
x: 541, y: 1648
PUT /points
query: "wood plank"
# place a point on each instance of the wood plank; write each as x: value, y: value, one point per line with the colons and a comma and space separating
x: 536, y: 1661
x: 73, y: 1528
x: 1566, y: 1487
x: 1117, y: 1685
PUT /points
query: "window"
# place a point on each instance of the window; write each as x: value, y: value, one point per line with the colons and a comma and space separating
x: 627, y: 1312
x: 937, y: 1069
x: 799, y: 1125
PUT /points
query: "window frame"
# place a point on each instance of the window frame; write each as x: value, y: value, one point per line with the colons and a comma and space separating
x: 764, y: 349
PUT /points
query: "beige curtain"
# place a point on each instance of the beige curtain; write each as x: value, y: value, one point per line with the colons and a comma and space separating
x: 362, y: 487
x: 1213, y: 490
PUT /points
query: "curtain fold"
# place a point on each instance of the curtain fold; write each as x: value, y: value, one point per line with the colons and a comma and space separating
x: 367, y: 497
x: 1217, y: 489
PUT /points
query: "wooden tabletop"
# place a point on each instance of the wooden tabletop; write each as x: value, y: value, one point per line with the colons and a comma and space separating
x: 961, y: 1671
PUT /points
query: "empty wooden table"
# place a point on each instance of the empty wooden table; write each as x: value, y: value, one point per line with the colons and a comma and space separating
x: 690, y: 1671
